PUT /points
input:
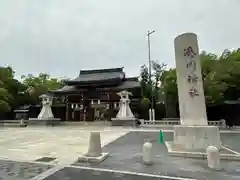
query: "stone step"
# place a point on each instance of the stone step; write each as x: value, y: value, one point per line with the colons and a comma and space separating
x: 12, y: 125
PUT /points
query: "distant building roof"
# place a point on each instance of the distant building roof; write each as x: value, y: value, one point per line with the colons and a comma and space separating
x: 128, y: 83
x: 24, y: 108
x: 97, y: 75
x: 68, y: 89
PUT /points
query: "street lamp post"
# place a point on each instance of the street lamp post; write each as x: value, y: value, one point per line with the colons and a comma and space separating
x: 151, y: 114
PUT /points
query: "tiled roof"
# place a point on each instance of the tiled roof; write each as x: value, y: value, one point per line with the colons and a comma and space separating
x: 68, y: 89
x: 109, y: 70
x: 128, y: 83
x: 98, y: 75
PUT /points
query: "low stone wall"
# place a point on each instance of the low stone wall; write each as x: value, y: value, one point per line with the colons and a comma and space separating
x: 13, y: 123
x: 147, y: 123
x: 170, y: 119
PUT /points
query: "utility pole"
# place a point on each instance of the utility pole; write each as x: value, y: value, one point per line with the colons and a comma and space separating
x: 151, y: 114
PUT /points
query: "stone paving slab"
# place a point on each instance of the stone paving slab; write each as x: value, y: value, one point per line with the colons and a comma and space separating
x: 231, y: 140
x: 125, y: 155
x: 69, y: 173
x: 13, y: 170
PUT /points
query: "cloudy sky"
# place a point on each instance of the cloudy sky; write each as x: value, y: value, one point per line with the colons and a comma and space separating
x: 61, y: 37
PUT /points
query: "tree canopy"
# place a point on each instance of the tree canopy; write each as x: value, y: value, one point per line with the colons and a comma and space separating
x: 151, y: 86
x: 40, y: 84
x: 220, y: 74
x: 14, y: 93
x: 7, y: 88
x: 221, y: 77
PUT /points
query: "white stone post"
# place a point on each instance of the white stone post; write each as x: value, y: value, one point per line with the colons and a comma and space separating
x: 94, y: 153
x: 153, y: 116
x: 94, y: 148
x: 150, y: 115
x: 213, y: 157
x: 189, y: 80
x: 147, y: 153
x: 22, y: 122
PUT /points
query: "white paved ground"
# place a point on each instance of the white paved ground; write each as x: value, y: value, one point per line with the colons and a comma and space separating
x: 64, y: 143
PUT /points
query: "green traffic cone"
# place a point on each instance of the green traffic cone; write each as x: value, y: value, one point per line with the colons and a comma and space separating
x: 161, y: 137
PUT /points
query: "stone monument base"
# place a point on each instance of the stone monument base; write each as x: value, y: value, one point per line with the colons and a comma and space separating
x: 192, y: 141
x: 46, y: 122
x: 124, y: 121
x: 195, y: 137
x: 98, y: 159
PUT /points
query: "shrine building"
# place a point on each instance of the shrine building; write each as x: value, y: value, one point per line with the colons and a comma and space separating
x: 93, y: 94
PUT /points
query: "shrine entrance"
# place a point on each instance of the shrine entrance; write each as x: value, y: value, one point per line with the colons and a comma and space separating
x: 79, y: 113
x: 100, y: 111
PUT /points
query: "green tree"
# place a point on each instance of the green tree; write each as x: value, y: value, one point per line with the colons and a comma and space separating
x: 40, y: 84
x: 6, y: 99
x: 144, y: 81
x: 221, y: 77
x: 145, y: 103
x: 158, y: 70
x: 228, y: 74
x: 152, y: 87
x: 169, y: 91
x: 16, y: 91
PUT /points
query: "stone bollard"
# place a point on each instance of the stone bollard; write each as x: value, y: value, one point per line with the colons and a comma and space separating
x: 22, y: 122
x: 94, y: 153
x: 147, y: 153
x: 94, y: 148
x: 213, y: 157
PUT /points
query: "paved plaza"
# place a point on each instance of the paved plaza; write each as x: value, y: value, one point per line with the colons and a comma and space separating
x: 21, y: 147
x: 131, y: 146
x: 63, y: 143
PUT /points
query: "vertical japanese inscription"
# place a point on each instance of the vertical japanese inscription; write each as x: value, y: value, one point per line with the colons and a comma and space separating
x: 192, y: 78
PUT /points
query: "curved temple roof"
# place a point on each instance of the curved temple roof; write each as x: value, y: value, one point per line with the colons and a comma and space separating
x: 100, y: 79
x: 128, y: 83
x: 98, y: 75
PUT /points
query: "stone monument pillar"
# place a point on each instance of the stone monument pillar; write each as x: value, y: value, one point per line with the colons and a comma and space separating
x: 189, y: 80
x: 194, y: 132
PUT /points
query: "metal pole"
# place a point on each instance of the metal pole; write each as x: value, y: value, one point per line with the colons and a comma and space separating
x: 150, y: 69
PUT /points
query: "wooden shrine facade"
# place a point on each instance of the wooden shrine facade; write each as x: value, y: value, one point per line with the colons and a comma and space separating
x: 93, y: 94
